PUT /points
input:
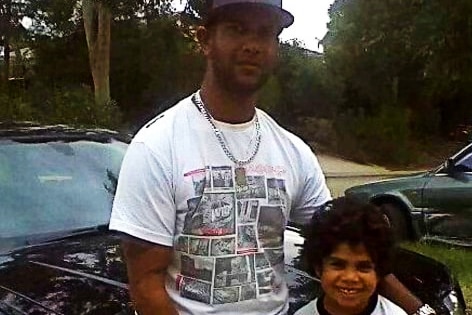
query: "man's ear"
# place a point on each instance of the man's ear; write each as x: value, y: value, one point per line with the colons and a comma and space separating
x: 317, y: 271
x: 203, y: 37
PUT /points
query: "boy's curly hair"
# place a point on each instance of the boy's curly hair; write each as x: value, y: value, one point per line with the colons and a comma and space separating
x: 353, y: 222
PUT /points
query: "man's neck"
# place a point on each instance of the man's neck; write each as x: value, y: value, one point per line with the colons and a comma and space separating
x: 226, y: 106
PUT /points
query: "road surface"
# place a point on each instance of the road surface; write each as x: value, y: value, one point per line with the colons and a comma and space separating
x: 342, y: 174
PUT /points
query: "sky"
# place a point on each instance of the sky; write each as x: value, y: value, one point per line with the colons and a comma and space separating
x: 311, y: 17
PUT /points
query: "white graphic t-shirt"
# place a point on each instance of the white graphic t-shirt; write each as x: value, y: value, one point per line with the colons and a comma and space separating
x: 383, y: 306
x: 226, y: 224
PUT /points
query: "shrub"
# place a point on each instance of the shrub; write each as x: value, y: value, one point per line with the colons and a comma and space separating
x: 77, y: 106
x: 15, y: 108
x: 71, y: 105
x: 380, y: 138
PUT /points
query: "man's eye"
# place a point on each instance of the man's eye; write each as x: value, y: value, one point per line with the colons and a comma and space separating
x: 235, y: 29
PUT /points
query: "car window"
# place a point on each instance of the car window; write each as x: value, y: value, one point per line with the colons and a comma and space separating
x: 465, y: 164
x: 56, y: 186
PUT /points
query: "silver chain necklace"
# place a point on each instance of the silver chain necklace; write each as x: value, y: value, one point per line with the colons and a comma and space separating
x: 221, y: 138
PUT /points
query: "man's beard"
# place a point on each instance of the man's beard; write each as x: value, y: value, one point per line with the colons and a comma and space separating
x: 226, y: 78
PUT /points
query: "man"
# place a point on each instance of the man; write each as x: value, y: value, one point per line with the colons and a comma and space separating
x: 187, y: 249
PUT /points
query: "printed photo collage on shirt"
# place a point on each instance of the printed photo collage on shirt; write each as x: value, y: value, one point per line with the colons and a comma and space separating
x: 232, y: 236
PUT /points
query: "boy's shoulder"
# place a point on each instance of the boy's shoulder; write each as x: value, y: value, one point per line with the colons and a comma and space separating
x: 308, y: 309
x: 387, y: 307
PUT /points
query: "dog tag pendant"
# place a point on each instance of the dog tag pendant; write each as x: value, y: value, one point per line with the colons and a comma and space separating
x: 240, y: 175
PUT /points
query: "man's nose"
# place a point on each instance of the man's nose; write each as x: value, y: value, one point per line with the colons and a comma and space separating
x: 252, y: 42
x: 252, y: 47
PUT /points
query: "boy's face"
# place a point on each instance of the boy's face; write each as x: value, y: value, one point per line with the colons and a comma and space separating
x: 348, y: 278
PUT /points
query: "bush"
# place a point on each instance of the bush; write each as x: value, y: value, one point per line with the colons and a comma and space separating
x: 318, y: 132
x: 382, y: 138
x: 15, y: 108
x: 72, y: 105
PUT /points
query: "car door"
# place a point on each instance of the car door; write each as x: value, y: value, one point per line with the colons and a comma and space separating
x: 447, y: 199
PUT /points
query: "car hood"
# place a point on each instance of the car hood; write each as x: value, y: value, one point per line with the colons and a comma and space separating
x: 428, y: 279
x: 403, y: 183
x: 83, y: 275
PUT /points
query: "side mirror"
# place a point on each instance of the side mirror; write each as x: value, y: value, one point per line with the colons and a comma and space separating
x: 449, y: 166
x: 453, y: 171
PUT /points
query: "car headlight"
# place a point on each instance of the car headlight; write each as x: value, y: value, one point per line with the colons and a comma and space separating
x: 451, y: 301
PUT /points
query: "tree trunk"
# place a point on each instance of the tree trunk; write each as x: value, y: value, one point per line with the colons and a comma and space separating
x: 97, y: 24
x: 5, y: 25
x: 6, y: 58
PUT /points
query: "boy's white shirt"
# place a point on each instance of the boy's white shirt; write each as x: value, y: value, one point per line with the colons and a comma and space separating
x: 384, y: 307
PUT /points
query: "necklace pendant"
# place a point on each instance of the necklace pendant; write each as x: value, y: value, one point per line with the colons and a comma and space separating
x: 240, y: 176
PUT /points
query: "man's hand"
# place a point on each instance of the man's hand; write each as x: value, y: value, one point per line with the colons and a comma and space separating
x: 394, y: 290
x: 147, y: 266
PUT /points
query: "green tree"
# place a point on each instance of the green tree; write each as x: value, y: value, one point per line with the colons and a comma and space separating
x: 11, y: 32
x: 410, y: 54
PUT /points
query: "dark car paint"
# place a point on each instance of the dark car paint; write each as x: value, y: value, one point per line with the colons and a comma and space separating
x: 81, y: 275
x: 85, y: 274
x: 437, y: 204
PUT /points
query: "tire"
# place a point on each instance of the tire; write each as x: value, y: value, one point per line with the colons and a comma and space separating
x: 397, y: 221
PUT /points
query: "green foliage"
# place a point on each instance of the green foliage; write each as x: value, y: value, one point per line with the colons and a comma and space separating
x: 380, y: 138
x: 152, y: 66
x: 270, y: 96
x: 300, y: 86
x: 15, y: 109
x: 72, y: 105
x: 53, y: 18
x: 153, y: 61
x: 77, y: 105
x: 413, y: 54
x: 61, y: 61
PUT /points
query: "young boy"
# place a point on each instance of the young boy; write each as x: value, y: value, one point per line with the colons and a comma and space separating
x: 349, y: 248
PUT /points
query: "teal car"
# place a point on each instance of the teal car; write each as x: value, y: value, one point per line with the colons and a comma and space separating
x: 435, y: 205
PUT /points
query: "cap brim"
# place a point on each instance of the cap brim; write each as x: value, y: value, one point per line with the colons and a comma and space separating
x: 287, y: 18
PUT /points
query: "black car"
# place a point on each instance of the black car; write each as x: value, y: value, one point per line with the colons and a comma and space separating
x: 57, y: 255
x: 435, y: 205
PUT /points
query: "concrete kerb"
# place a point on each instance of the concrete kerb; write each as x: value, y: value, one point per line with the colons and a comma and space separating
x: 387, y: 174
x: 335, y: 167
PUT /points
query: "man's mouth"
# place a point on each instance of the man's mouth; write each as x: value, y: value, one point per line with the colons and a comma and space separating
x: 249, y: 63
x: 249, y: 66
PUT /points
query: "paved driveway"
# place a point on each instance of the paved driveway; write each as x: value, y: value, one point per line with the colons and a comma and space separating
x: 342, y: 174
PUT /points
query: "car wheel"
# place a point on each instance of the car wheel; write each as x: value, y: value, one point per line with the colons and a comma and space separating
x: 397, y: 221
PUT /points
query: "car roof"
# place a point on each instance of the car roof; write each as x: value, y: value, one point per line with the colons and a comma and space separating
x: 28, y: 131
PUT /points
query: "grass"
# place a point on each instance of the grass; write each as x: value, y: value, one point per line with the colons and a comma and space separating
x: 459, y: 260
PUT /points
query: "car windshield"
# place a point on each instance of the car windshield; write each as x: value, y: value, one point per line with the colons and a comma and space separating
x: 56, y: 186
